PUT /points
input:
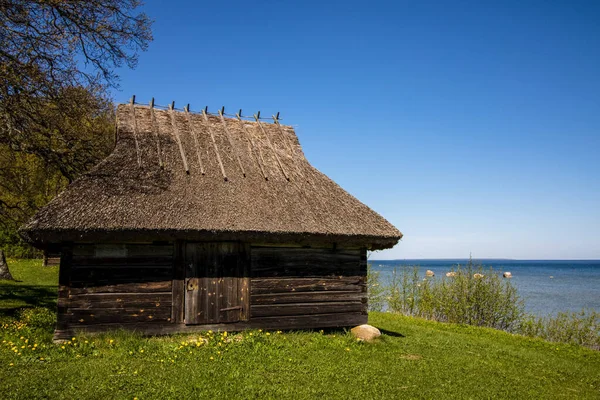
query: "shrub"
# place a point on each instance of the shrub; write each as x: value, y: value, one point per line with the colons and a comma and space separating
x: 471, y: 296
x: 375, y: 290
x: 581, y: 328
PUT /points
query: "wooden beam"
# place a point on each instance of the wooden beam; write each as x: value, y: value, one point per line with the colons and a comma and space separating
x: 178, y: 302
x: 212, y: 137
x: 135, y: 132
x: 176, y: 133
x: 195, y: 135
x: 253, y: 147
x: 155, y: 130
x: 233, y: 148
x: 256, y: 117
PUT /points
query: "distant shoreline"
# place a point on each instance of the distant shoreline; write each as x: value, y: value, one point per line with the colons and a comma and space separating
x: 492, y: 259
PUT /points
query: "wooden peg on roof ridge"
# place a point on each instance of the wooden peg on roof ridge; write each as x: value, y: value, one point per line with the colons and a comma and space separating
x: 206, y: 110
x: 258, y: 115
x: 172, y: 106
x: 187, y: 108
x: 222, y: 112
x: 152, y: 103
x: 133, y: 99
x: 239, y: 115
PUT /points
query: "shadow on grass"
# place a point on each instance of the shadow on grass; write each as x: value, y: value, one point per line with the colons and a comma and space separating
x: 390, y: 333
x: 15, y: 297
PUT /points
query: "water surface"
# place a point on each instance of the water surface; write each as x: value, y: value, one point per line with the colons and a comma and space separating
x: 548, y: 286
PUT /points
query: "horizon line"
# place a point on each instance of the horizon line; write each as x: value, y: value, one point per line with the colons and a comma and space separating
x: 490, y: 258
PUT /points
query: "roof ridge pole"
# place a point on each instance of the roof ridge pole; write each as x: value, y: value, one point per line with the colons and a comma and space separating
x: 135, y: 132
x: 212, y: 137
x: 195, y: 135
x: 253, y: 147
x: 176, y: 133
x: 237, y: 156
x: 155, y: 129
x: 287, y: 143
x: 271, y: 146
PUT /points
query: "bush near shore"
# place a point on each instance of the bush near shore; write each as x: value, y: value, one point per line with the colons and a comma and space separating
x: 475, y: 296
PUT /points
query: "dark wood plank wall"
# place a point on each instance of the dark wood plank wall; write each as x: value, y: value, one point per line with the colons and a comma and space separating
x: 141, y: 287
x: 314, y: 287
x: 117, y: 284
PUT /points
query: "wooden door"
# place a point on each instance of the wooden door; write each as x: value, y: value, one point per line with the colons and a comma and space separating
x: 216, y: 283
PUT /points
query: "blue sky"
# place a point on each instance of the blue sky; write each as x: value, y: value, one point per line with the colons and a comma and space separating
x: 473, y: 127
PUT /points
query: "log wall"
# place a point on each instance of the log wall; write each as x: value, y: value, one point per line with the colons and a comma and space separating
x: 140, y: 287
x: 307, y: 286
x: 115, y: 284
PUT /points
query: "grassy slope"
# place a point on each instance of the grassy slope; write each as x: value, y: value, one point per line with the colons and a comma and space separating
x: 34, y: 285
x: 414, y: 359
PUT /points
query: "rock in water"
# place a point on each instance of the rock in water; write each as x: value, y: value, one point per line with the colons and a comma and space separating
x: 507, y: 275
x: 429, y: 273
x: 365, y: 332
x: 4, y: 272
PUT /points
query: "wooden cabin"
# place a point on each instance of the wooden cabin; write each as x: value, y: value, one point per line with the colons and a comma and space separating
x: 198, y: 222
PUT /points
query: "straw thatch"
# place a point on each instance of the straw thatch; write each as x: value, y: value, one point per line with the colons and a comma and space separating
x: 265, y: 191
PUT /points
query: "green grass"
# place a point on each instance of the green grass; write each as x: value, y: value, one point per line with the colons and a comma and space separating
x: 413, y: 359
x: 34, y: 286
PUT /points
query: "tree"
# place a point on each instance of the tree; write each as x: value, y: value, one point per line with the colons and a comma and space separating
x: 4, y: 272
x: 57, y: 62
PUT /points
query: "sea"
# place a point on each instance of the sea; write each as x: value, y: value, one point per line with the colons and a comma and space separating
x: 547, y: 286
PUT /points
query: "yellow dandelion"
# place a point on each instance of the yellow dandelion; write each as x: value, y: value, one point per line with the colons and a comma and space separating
x: 41, y: 358
x: 225, y: 333
x: 347, y: 349
x: 11, y: 364
x: 111, y: 341
x: 212, y: 358
x: 73, y: 338
x: 62, y: 347
x: 260, y: 330
x: 142, y: 350
x: 268, y: 334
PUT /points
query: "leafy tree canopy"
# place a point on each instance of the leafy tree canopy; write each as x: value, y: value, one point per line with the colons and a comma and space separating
x: 57, y: 61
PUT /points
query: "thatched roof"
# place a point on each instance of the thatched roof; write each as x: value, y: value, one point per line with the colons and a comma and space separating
x: 244, y: 181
